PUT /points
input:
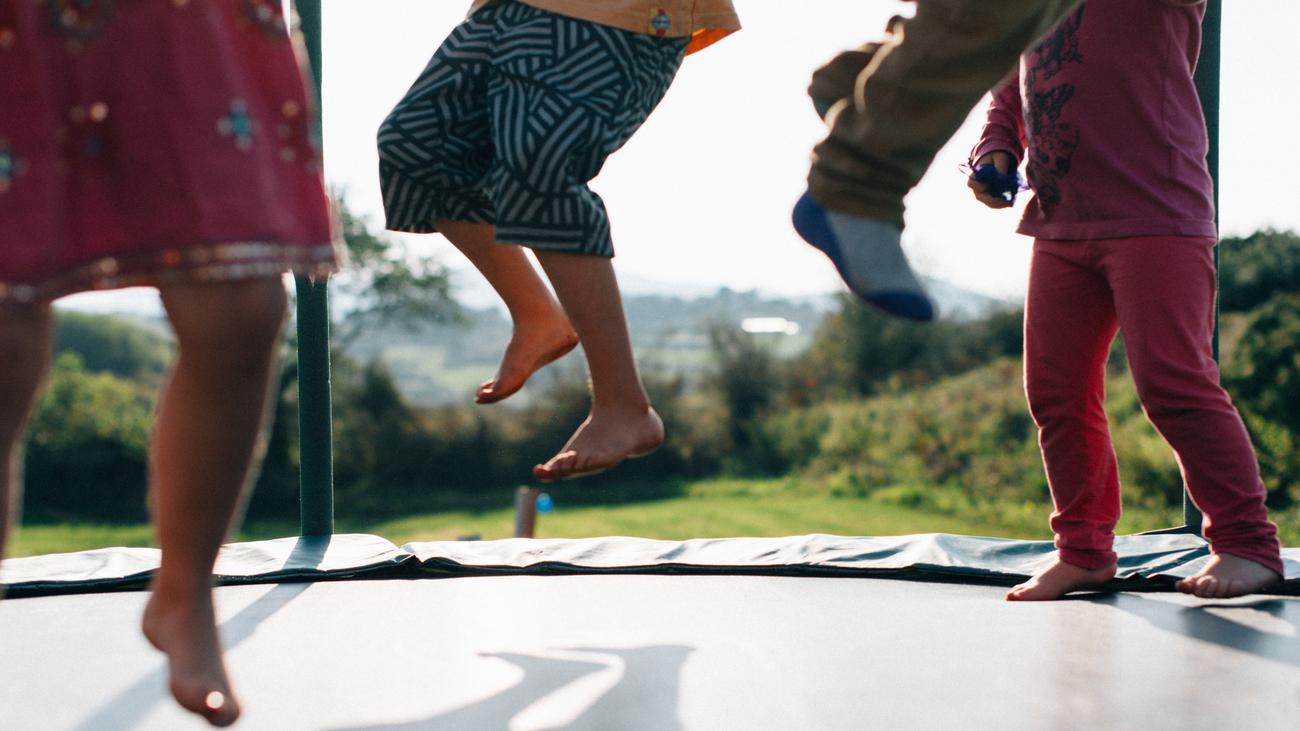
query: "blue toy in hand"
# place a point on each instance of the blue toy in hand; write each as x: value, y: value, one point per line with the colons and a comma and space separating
x: 1005, y: 186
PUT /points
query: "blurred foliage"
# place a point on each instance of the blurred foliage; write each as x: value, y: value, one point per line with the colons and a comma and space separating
x: 1255, y: 268
x: 389, y: 282
x: 857, y: 350
x: 1263, y: 375
x: 113, y: 345
x: 87, y: 445
x: 915, y: 416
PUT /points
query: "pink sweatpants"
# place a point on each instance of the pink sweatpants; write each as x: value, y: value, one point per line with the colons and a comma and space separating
x: 1160, y: 292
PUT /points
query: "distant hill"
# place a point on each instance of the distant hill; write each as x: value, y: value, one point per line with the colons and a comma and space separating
x: 441, y: 363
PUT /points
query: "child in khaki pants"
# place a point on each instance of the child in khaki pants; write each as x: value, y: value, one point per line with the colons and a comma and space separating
x: 909, y: 95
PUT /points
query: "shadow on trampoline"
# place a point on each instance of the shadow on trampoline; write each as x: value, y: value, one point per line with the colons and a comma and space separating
x: 1266, y: 628
x: 135, y: 703
x: 648, y: 682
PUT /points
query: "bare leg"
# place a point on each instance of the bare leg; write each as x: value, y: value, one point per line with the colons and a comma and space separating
x: 1060, y: 579
x: 204, y: 443
x: 622, y: 423
x: 26, y: 339
x: 542, y: 332
x: 1229, y: 576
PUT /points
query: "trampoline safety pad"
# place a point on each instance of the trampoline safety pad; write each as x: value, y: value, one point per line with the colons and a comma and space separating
x: 1147, y: 562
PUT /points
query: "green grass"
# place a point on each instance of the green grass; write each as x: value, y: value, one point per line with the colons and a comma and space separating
x: 708, y: 509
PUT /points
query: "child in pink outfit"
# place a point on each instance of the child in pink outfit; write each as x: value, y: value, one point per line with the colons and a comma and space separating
x: 1123, y: 220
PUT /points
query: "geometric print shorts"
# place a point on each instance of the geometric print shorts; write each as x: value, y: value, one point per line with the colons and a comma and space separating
x: 513, y: 117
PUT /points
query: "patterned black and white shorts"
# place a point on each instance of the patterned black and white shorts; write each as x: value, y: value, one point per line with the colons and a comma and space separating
x: 515, y: 114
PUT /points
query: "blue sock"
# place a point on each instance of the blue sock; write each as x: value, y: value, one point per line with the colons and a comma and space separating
x: 868, y: 256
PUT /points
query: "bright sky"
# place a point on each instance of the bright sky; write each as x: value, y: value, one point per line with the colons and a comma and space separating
x: 701, y: 196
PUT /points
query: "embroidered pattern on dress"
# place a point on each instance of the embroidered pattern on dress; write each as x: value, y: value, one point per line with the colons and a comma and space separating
x: 208, y: 263
x: 8, y: 25
x: 267, y: 16
x: 296, y: 141
x: 11, y: 166
x: 87, y: 142
x: 238, y: 125
x: 79, y: 19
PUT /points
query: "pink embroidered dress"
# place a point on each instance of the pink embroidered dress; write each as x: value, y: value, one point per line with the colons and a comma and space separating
x: 151, y: 142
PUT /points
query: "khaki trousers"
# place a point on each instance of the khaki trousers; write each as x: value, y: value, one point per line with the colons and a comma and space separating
x: 914, y: 93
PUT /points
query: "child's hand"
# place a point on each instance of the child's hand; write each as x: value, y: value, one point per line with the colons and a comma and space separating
x: 1004, y: 163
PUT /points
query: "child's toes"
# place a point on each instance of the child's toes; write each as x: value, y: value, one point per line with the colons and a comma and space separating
x: 556, y: 467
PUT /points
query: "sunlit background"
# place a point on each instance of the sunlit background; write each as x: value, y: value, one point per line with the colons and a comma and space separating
x: 700, y: 197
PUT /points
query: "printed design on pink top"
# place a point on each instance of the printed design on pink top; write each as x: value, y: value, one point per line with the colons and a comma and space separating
x: 1052, y: 142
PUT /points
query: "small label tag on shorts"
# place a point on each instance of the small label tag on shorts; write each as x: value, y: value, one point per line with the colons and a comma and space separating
x: 660, y: 22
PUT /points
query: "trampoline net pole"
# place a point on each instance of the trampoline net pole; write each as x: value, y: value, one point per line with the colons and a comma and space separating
x: 315, y: 432
x: 1208, y: 86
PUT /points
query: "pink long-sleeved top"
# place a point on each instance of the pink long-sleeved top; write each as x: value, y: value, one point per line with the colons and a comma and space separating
x: 1107, y: 112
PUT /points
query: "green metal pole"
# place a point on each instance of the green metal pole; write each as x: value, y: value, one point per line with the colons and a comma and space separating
x: 1208, y: 86
x: 315, y: 431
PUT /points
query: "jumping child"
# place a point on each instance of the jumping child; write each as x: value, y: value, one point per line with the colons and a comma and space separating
x: 909, y: 95
x: 493, y: 147
x: 1124, y: 225
x: 165, y: 144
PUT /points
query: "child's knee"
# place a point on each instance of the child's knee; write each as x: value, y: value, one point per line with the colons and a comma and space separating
x: 231, y: 323
x: 26, y: 341
x: 259, y: 311
x: 1050, y: 398
x: 1179, y: 392
x: 26, y: 337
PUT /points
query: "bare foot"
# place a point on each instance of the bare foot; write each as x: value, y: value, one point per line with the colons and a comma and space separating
x: 1228, y: 576
x: 531, y: 347
x: 185, y: 631
x: 1059, y: 579
x: 603, y: 441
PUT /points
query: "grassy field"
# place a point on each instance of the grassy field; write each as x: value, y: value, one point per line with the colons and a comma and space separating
x: 716, y: 508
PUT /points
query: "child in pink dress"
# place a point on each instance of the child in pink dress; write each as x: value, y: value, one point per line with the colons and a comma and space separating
x: 1124, y: 227
x: 168, y: 144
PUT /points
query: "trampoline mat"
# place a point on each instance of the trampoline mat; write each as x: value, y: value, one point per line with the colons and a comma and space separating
x: 1146, y: 563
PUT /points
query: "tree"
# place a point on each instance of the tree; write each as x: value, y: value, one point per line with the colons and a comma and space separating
x: 388, y: 283
x: 111, y: 344
x: 746, y: 376
x: 87, y: 445
x: 857, y: 350
x: 1256, y: 267
x: 1264, y: 378
x: 1265, y: 370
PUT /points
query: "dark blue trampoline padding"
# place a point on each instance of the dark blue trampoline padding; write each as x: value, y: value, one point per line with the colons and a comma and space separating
x: 1147, y: 562
x: 258, y: 562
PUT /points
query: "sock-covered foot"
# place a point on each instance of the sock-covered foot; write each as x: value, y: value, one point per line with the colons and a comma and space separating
x: 1059, y: 579
x: 604, y: 440
x: 532, y: 346
x: 1229, y: 576
x: 868, y: 256
x: 184, y: 629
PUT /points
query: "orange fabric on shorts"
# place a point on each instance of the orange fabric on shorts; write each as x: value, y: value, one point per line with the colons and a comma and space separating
x: 705, y: 21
